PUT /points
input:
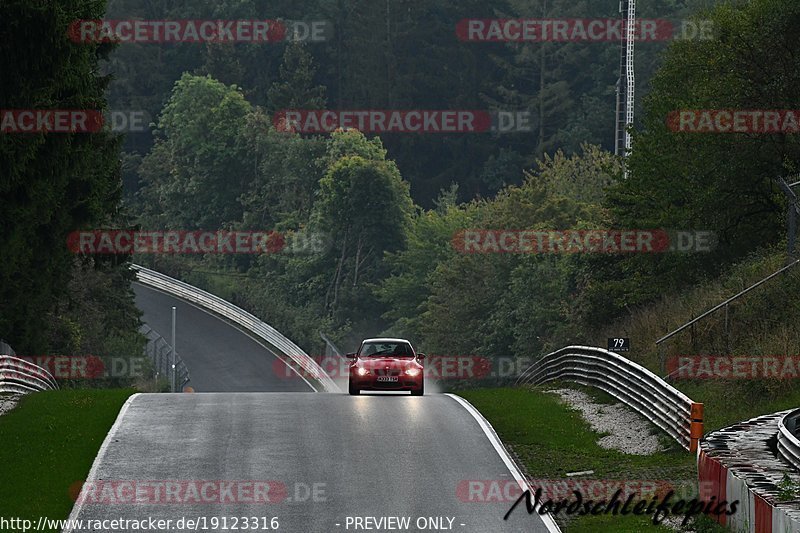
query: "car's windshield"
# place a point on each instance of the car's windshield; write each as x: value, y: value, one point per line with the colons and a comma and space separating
x: 386, y: 349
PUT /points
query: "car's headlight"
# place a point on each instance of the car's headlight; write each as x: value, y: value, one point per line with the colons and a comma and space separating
x: 412, y: 372
x: 361, y: 371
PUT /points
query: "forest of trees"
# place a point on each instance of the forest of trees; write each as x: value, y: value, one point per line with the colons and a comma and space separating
x: 384, y: 208
x: 52, y: 184
x: 395, y: 270
x: 404, y: 54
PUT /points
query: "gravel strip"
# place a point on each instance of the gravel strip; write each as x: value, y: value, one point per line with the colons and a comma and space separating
x: 676, y: 524
x: 627, y: 431
x: 8, y: 402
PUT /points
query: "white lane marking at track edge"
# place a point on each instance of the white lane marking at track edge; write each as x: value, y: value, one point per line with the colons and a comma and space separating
x: 76, y: 509
x: 491, y: 434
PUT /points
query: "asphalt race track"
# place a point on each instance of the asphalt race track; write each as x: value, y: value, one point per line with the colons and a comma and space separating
x: 326, y: 457
x: 323, y: 462
x: 219, y: 356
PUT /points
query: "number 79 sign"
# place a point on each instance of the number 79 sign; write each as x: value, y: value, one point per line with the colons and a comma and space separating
x: 619, y: 344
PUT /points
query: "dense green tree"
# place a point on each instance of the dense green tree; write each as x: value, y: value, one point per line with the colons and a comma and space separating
x: 288, y: 170
x: 361, y: 210
x: 707, y: 181
x: 196, y: 171
x: 429, y: 242
x: 366, y: 207
x: 51, y: 183
x: 498, y: 304
x: 296, y: 89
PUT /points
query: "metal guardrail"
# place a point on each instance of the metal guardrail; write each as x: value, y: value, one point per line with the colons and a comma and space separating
x: 240, y: 317
x: 649, y: 395
x: 788, y: 443
x: 21, y: 377
x: 160, y: 352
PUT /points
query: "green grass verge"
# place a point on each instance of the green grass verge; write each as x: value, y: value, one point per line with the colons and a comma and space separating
x: 49, y: 442
x: 550, y: 440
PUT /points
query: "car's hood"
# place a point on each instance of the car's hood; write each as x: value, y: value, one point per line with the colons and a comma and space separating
x: 384, y: 362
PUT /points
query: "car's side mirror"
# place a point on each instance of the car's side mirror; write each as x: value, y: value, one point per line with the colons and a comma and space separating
x: 421, y: 355
x: 351, y: 355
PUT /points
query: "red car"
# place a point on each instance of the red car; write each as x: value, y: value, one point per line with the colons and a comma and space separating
x: 387, y: 364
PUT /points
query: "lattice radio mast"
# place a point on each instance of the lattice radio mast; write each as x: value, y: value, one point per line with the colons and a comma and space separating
x: 626, y: 84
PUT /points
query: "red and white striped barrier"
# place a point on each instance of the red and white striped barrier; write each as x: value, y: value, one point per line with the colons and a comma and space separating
x: 736, y: 463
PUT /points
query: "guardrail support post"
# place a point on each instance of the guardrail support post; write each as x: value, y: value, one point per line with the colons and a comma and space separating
x: 696, y: 426
x: 727, y: 332
x: 172, y: 374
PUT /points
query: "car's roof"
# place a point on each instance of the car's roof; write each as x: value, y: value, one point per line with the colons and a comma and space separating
x: 384, y: 339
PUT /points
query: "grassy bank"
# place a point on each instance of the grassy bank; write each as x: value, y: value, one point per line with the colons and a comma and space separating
x: 761, y: 323
x: 551, y: 440
x: 49, y: 442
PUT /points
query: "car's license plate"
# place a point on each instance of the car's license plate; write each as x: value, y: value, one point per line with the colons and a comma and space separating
x: 388, y: 378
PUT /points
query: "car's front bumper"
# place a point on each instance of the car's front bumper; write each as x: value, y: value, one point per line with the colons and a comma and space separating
x: 403, y: 383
